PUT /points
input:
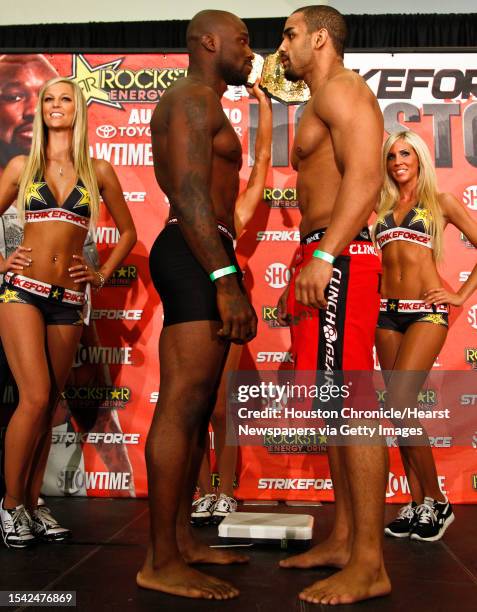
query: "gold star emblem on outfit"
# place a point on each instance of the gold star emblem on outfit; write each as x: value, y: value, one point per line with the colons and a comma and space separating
x: 392, y: 306
x: 85, y: 200
x: 421, y: 214
x: 115, y: 394
x: 33, y: 193
x: 55, y: 294
x: 9, y: 296
x: 80, y: 321
x: 437, y: 319
x: 122, y: 272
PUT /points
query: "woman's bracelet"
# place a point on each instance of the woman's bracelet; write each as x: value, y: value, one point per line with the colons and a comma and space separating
x: 102, y: 280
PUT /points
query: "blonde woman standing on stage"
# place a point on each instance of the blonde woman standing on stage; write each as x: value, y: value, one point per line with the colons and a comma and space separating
x: 57, y: 188
x: 413, y: 321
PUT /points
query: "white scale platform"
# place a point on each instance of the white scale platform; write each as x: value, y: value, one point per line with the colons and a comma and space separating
x: 264, y: 527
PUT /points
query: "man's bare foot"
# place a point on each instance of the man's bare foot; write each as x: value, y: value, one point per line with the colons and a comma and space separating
x: 198, y: 552
x: 177, y: 578
x: 330, y: 553
x: 352, y: 584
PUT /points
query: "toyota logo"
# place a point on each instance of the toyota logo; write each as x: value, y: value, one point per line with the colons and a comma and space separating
x: 106, y: 131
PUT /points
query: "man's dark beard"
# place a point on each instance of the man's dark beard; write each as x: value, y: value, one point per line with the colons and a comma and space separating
x: 233, y: 76
x: 290, y: 75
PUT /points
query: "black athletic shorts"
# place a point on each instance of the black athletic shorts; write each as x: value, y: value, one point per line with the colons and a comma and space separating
x: 186, y: 291
x: 398, y: 315
x: 54, y: 312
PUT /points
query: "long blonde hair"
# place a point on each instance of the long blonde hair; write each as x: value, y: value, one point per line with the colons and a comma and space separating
x: 426, y: 187
x: 83, y: 165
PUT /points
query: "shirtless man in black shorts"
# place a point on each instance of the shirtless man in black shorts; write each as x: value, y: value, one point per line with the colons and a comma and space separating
x: 197, y: 158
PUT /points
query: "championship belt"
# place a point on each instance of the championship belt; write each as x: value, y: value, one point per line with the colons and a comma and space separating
x: 277, y: 86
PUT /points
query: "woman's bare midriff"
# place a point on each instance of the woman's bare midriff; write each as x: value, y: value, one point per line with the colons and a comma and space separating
x: 409, y: 270
x: 53, y: 245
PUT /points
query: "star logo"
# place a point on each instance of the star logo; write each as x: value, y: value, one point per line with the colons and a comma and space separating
x: 84, y: 199
x: 9, y: 296
x: 421, y: 214
x: 115, y: 394
x: 80, y: 321
x: 55, y: 294
x: 392, y: 306
x: 322, y: 440
x: 89, y: 79
x: 437, y: 319
x: 33, y: 193
x: 122, y: 272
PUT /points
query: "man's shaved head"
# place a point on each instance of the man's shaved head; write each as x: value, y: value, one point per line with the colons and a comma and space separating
x: 209, y: 22
x: 218, y: 45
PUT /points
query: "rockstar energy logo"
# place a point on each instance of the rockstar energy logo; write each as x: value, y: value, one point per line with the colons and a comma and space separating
x: 277, y: 197
x: 112, y: 85
x: 269, y: 315
x: 425, y: 398
x: 93, y: 397
x: 295, y: 444
x: 471, y: 357
x: 123, y: 276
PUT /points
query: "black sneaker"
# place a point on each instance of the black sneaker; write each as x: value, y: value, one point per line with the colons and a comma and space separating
x: 202, y: 509
x: 402, y: 524
x: 15, y: 527
x: 45, y: 526
x: 432, y: 520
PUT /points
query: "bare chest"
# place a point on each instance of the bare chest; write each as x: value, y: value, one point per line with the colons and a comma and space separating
x: 312, y: 137
x: 226, y: 144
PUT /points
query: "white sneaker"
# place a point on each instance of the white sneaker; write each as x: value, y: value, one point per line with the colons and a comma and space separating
x: 225, y: 505
x: 15, y: 527
x: 202, y: 509
x: 44, y: 525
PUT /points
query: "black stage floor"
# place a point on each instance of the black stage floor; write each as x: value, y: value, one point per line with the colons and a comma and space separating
x: 110, y: 536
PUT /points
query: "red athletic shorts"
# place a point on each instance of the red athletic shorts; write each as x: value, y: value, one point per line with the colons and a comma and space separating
x: 342, y: 336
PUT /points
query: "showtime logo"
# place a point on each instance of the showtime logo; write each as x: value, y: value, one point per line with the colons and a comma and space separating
x: 469, y: 197
x: 277, y: 275
x: 472, y: 316
x: 398, y: 485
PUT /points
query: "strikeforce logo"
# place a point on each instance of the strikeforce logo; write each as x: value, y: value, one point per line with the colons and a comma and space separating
x: 278, y: 236
x: 116, y: 315
x: 295, y: 484
x: 94, y: 437
x: 274, y: 357
x: 112, y: 85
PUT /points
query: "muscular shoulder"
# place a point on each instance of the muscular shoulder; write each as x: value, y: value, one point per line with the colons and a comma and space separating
x: 345, y: 90
x: 195, y: 104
